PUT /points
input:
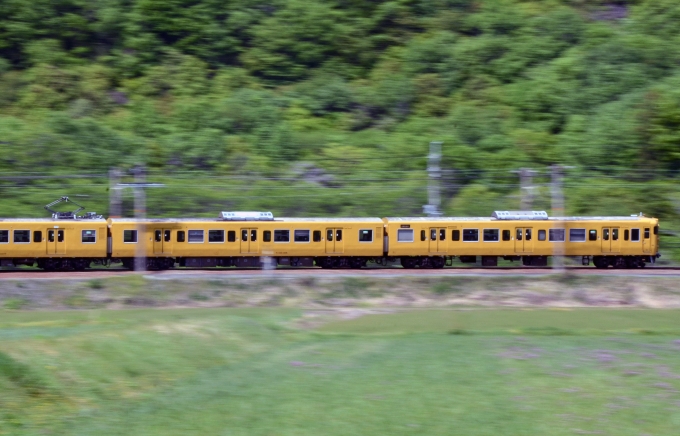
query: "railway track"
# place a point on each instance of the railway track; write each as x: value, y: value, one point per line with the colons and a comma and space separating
x: 14, y: 274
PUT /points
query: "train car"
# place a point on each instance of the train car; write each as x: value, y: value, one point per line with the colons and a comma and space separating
x: 53, y: 244
x: 532, y: 237
x: 242, y: 238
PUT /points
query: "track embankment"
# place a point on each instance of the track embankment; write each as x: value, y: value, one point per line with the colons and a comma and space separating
x: 338, y: 290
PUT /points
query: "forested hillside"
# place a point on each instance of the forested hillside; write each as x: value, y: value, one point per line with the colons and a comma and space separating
x: 339, y: 99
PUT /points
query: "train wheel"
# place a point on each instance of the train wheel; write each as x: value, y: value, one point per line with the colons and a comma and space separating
x: 437, y: 262
x: 357, y: 262
x: 600, y: 262
x: 408, y: 262
x: 619, y: 262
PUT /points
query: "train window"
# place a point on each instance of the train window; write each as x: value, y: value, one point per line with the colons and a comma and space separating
x: 196, y: 236
x: 519, y: 234
x: 405, y: 235
x: 301, y: 235
x: 4, y: 236
x: 626, y: 233
x: 491, y: 235
x: 656, y: 230
x: 592, y: 235
x: 130, y: 236
x: 433, y: 234
x: 231, y: 236
x: 455, y: 235
x: 329, y: 235
x: 506, y: 235
x: 635, y: 235
x: 157, y: 235
x: 605, y: 234
x: 541, y: 235
x: 244, y: 234
x: 577, y: 235
x: 215, y: 235
x: 647, y: 233
x: 528, y: 235
x: 181, y: 236
x: 442, y: 234
x: 316, y: 235
x: 50, y: 235
x: 470, y: 235
x: 556, y: 235
x: 24, y: 236
x: 365, y: 235
x: 60, y: 236
x: 338, y: 235
x: 284, y: 235
x: 423, y: 236
x: 253, y: 235
x: 89, y: 236
x: 37, y: 236
x: 166, y: 235
x: 615, y: 234
x: 267, y: 236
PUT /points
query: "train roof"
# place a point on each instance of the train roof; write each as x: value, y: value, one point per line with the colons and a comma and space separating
x: 52, y: 220
x: 275, y: 220
x: 490, y: 219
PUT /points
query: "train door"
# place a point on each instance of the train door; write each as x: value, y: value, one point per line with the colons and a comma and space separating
x: 162, y: 242
x: 646, y: 241
x: 56, y: 241
x: 437, y: 239
x: 524, y: 240
x: 610, y: 240
x: 249, y: 241
x: 334, y: 241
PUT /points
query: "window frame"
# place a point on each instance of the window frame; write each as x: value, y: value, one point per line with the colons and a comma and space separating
x: 455, y: 235
x: 132, y: 232
x: 370, y: 231
x: 401, y: 232
x: 638, y: 234
x: 477, y: 234
x: 590, y: 235
x: 585, y: 235
x: 231, y: 235
x: 14, y: 238
x: 498, y: 235
x: 181, y: 236
x: 317, y: 236
x: 37, y: 236
x: 266, y: 236
x: 202, y: 241
x: 551, y: 233
x: 309, y: 236
x: 82, y: 236
x: 7, y: 241
x: 216, y: 242
x: 647, y: 233
x: 544, y: 237
x: 287, y: 241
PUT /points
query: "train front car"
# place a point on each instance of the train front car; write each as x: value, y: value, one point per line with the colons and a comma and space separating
x: 67, y: 243
x: 527, y: 236
x: 247, y: 239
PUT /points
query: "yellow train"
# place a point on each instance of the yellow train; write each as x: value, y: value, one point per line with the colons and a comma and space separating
x: 244, y: 239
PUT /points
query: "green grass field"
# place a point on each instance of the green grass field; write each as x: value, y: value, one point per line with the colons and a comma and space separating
x: 253, y: 372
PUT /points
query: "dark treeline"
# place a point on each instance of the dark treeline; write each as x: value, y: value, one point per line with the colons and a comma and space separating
x: 236, y: 87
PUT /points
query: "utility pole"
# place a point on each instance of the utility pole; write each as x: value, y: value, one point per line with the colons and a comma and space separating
x: 526, y: 187
x: 557, y: 173
x: 434, y: 172
x: 114, y: 193
x: 140, y: 214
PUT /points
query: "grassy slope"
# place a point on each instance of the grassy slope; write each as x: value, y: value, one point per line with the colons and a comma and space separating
x: 245, y: 371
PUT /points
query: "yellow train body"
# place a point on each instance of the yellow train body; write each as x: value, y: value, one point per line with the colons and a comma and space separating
x: 53, y: 243
x: 291, y: 241
x: 489, y: 237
